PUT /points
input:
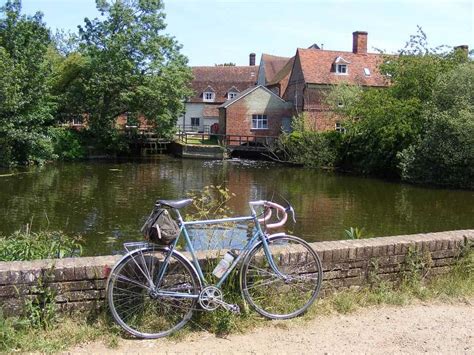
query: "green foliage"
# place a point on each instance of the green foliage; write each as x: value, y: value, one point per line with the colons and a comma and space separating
x: 125, y: 64
x: 397, y: 131
x: 67, y: 143
x: 380, y: 127
x: 308, y: 148
x: 354, y: 233
x: 26, y: 105
x: 210, y: 203
x: 444, y: 153
x: 42, y: 245
x: 40, y: 309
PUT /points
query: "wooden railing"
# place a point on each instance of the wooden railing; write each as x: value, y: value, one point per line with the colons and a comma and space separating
x: 228, y: 140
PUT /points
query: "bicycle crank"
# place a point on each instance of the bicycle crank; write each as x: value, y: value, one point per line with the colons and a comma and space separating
x: 210, y: 299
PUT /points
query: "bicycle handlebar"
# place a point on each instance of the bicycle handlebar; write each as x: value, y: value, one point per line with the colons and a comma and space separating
x: 268, y: 214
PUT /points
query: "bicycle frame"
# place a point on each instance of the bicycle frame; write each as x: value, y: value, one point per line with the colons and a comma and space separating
x: 259, y: 234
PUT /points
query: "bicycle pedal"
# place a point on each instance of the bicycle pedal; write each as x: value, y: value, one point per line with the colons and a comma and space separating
x: 234, y: 308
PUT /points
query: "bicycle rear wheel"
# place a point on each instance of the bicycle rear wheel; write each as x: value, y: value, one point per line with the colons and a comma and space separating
x: 139, y: 308
x: 286, y: 296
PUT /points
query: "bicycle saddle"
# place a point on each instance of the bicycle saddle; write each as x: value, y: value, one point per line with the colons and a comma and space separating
x: 176, y: 203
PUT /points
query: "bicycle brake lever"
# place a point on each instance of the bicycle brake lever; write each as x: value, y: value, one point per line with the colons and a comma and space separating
x: 292, y: 211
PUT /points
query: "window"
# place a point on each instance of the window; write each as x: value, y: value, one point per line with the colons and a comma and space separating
x: 340, y: 128
x: 195, y: 121
x: 341, y: 68
x: 367, y: 71
x: 231, y: 95
x: 259, y: 122
x: 208, y: 96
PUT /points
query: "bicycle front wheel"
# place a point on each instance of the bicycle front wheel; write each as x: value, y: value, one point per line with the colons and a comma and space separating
x: 290, y: 293
x: 152, y: 312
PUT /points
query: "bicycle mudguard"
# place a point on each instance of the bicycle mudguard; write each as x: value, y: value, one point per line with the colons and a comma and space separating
x: 156, y: 247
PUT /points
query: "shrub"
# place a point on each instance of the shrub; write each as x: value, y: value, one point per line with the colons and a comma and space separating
x: 42, y: 245
x: 444, y: 155
x: 67, y: 143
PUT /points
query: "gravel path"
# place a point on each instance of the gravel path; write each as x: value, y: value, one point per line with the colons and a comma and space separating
x: 421, y: 328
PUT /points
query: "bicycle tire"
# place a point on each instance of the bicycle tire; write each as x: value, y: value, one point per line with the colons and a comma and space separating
x: 271, y: 295
x: 130, y: 298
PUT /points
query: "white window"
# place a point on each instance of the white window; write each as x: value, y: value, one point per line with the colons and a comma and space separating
x: 367, y: 71
x: 341, y: 68
x: 195, y: 121
x: 339, y: 127
x: 259, y: 122
x: 231, y: 95
x: 209, y: 96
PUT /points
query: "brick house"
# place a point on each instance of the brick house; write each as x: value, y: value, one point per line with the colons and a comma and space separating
x: 256, y: 111
x: 212, y: 86
x: 315, y: 71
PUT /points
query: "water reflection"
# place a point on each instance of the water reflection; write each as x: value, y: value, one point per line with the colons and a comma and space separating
x: 108, y: 201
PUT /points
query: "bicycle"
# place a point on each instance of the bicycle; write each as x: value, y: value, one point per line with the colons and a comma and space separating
x: 153, y: 289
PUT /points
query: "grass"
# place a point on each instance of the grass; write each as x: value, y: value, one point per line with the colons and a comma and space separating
x: 455, y: 286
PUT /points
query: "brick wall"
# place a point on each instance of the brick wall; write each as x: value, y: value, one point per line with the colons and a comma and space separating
x: 80, y: 282
x: 237, y: 118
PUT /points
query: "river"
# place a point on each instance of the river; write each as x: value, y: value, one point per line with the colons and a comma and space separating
x: 107, y: 201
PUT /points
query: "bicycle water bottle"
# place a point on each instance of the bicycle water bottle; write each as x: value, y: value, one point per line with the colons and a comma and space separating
x: 223, y: 265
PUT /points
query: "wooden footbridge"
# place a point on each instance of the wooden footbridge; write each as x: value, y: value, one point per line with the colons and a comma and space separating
x: 229, y: 141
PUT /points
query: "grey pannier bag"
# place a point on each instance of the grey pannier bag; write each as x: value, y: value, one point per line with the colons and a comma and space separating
x: 160, y: 227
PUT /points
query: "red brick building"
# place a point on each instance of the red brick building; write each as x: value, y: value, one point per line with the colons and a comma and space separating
x: 256, y: 111
x: 314, y: 71
x: 212, y: 86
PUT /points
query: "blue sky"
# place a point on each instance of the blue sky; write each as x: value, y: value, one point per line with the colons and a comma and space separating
x: 217, y: 31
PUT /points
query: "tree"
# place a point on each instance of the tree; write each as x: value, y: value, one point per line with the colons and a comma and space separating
x: 381, y: 123
x: 444, y: 152
x: 125, y: 65
x: 26, y: 106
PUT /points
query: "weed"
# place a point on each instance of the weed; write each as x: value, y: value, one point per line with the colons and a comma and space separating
x: 28, y: 245
x: 416, y: 267
x: 354, y: 233
x: 40, y: 310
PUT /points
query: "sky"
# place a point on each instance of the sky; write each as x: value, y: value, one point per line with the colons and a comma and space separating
x: 218, y: 31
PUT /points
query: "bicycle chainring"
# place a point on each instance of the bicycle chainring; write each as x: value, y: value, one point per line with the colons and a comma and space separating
x: 210, y: 298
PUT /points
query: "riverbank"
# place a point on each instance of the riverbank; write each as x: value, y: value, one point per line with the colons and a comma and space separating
x: 423, y: 327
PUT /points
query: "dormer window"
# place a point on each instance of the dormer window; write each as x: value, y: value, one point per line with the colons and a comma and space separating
x: 232, y: 93
x: 341, y: 66
x: 208, y: 95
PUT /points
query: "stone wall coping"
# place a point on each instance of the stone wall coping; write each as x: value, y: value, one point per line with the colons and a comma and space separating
x: 320, y: 247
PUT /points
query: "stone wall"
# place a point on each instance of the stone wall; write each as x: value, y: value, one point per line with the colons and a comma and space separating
x: 79, y: 283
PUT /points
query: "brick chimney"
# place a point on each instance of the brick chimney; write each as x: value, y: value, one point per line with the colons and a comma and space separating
x: 252, y: 59
x: 359, y: 42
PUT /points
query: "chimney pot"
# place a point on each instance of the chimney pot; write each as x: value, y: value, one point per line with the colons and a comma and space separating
x: 252, y: 59
x: 359, y: 42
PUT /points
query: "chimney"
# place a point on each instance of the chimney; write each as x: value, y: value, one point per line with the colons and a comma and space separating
x: 252, y: 59
x: 359, y: 42
x: 463, y: 48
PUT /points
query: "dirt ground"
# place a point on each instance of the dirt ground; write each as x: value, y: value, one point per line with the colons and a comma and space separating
x: 421, y: 328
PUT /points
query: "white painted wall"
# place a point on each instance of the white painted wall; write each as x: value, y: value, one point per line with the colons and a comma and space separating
x: 196, y: 110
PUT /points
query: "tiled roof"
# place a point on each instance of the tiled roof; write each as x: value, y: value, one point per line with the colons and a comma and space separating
x: 245, y: 93
x: 222, y: 79
x: 210, y: 111
x: 283, y: 76
x: 317, y: 67
x: 272, y: 65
